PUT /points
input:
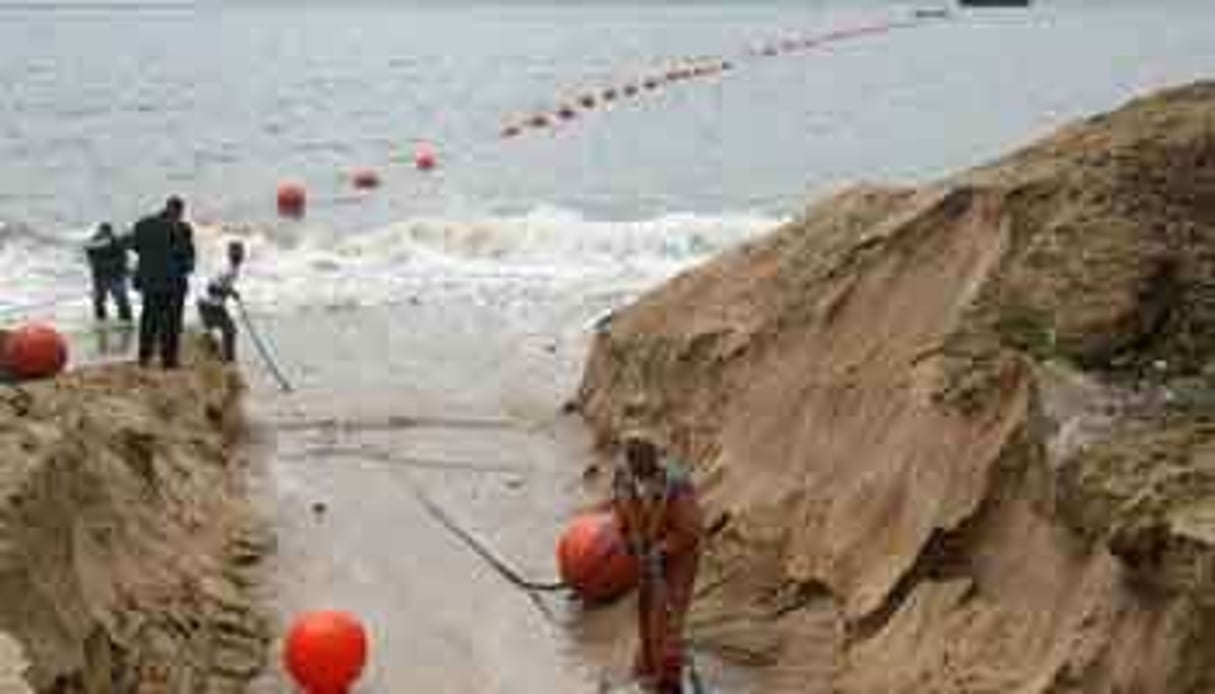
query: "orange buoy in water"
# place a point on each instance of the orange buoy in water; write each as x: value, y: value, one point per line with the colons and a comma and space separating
x: 34, y: 351
x: 365, y: 179
x: 325, y: 652
x: 292, y: 200
x: 593, y: 559
x: 424, y: 158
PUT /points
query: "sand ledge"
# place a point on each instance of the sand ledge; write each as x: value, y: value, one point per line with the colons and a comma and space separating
x: 962, y: 431
x: 130, y: 551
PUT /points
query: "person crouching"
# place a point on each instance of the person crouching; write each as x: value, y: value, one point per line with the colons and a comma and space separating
x: 661, y: 518
x: 213, y: 304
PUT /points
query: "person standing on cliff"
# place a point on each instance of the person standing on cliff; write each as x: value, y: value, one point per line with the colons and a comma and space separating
x: 164, y: 243
x: 661, y: 518
x: 107, y: 255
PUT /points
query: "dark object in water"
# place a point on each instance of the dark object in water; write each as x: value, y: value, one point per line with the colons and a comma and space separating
x: 993, y: 3
x: 932, y: 13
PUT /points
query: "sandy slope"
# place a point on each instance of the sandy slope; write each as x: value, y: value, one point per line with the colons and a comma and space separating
x: 127, y: 547
x: 974, y: 414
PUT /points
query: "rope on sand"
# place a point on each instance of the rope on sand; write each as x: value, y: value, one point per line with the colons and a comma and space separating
x: 393, y: 422
x: 390, y: 459
x: 262, y: 349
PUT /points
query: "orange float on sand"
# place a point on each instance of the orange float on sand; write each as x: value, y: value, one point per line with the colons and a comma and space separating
x: 34, y: 351
x: 292, y: 200
x: 593, y: 559
x: 325, y: 652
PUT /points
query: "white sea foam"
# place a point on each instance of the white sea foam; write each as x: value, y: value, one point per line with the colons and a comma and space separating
x: 293, y: 265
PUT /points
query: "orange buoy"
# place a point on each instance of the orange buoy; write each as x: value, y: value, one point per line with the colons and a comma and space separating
x: 365, y: 179
x: 424, y: 158
x: 325, y: 652
x: 34, y: 351
x: 566, y: 112
x: 593, y: 559
x: 292, y: 200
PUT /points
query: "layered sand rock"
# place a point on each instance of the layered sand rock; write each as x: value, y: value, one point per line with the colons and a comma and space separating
x: 127, y: 544
x: 976, y: 413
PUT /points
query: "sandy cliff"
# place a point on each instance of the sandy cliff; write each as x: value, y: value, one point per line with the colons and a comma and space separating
x: 127, y: 546
x: 976, y: 414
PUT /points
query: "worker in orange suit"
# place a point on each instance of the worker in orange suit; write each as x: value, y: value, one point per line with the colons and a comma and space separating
x: 659, y: 514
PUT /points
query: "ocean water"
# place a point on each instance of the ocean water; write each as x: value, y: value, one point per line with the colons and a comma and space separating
x: 103, y: 112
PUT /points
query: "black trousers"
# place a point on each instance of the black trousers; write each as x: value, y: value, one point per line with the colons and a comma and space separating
x: 105, y: 287
x: 160, y: 326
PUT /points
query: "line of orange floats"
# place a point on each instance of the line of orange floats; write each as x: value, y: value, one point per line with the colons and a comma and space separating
x: 292, y: 196
x: 590, y: 99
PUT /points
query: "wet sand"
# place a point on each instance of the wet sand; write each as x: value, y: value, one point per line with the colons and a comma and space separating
x: 459, y: 399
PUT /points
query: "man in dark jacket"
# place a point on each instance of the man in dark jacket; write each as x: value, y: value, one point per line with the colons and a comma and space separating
x: 107, y: 256
x: 164, y: 243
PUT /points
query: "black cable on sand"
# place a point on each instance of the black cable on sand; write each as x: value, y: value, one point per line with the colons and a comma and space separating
x: 499, y: 565
x: 532, y: 589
